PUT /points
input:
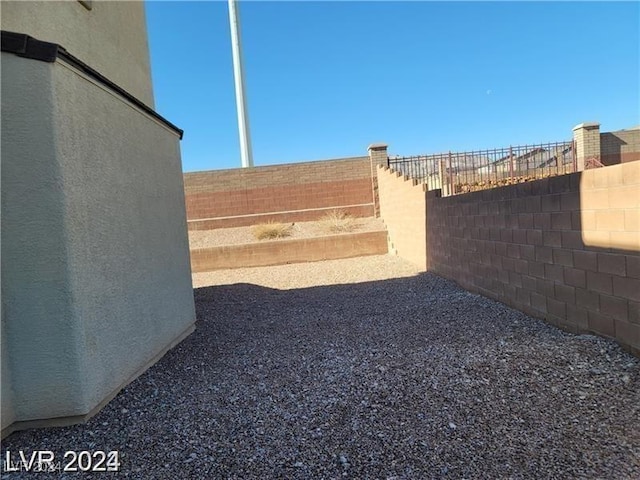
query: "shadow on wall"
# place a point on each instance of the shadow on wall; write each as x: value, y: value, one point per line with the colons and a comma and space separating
x: 614, y: 151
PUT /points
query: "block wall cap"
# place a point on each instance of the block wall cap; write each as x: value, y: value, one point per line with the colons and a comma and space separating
x: 588, y: 125
x: 378, y: 146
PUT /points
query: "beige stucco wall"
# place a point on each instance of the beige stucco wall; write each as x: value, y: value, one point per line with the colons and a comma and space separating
x: 39, y: 345
x: 7, y: 414
x: 111, y: 37
x: 95, y: 262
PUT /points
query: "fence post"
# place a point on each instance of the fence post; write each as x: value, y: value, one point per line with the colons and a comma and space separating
x: 451, y: 189
x: 377, y: 156
x: 441, y: 169
x: 511, y: 163
x: 587, y: 141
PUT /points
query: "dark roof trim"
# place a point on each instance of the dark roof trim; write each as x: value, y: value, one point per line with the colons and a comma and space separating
x: 28, y: 47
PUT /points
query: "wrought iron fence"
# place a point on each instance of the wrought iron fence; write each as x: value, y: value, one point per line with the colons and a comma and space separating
x: 463, y: 172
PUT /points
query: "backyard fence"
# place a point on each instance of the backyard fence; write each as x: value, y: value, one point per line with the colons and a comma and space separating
x: 463, y: 172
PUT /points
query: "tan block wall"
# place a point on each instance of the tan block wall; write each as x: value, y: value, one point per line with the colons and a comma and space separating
x: 403, y: 210
x: 610, y: 207
x: 289, y: 251
x: 565, y: 249
x: 620, y: 147
x: 586, y: 137
x: 227, y: 194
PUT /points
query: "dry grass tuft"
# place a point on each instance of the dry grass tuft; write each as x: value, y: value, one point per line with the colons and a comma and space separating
x: 271, y: 230
x: 337, y: 221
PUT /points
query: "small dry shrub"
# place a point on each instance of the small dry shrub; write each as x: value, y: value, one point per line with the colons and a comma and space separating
x: 266, y: 231
x: 337, y: 221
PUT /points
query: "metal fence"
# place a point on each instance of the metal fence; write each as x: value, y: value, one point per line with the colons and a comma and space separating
x: 463, y: 172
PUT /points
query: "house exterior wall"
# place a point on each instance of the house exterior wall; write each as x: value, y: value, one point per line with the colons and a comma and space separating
x: 39, y: 340
x: 128, y: 251
x: 7, y: 413
x: 96, y: 278
x: 111, y: 37
x: 96, y: 275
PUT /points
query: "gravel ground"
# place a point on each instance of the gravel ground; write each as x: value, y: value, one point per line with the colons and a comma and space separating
x: 366, y: 377
x: 241, y: 235
x: 330, y: 272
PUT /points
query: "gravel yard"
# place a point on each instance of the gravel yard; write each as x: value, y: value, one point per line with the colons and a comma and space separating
x: 362, y: 368
x: 243, y: 235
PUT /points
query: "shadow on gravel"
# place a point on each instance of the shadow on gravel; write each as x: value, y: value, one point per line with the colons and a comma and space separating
x: 405, y: 378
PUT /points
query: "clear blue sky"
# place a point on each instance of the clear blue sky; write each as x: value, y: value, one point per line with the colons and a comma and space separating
x: 326, y: 79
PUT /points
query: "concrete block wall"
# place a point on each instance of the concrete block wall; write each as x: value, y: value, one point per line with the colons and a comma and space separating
x: 377, y: 156
x: 565, y: 249
x: 280, y: 252
x: 620, y: 147
x: 403, y: 209
x: 608, y: 148
x: 586, y: 137
x: 610, y: 207
x: 291, y: 192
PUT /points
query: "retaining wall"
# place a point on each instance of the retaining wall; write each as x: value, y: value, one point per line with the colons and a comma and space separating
x: 279, y: 252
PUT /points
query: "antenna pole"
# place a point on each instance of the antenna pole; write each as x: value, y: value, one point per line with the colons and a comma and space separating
x: 243, y: 118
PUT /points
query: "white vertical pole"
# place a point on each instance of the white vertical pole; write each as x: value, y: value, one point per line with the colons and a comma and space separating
x: 243, y: 118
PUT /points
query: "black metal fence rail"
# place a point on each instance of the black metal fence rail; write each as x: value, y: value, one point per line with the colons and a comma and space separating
x: 463, y: 172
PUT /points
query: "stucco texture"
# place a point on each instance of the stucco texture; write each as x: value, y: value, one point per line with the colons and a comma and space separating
x: 36, y: 298
x: 95, y: 260
x: 111, y: 37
